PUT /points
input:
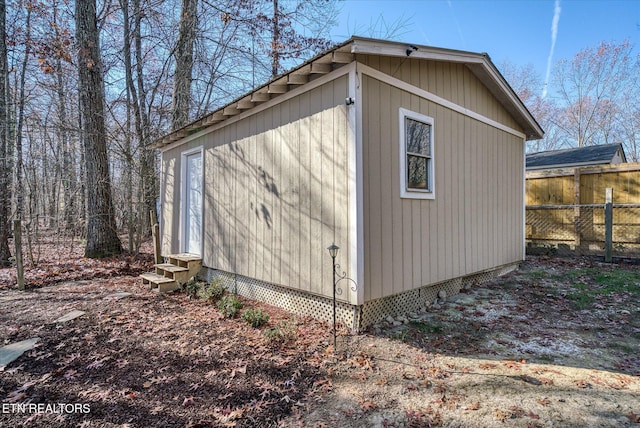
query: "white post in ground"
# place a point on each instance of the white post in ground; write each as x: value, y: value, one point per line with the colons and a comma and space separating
x: 608, y: 225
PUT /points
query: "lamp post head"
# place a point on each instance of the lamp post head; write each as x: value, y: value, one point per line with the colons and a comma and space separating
x: 333, y: 250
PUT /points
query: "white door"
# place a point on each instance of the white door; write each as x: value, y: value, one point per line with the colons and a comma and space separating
x: 193, y: 204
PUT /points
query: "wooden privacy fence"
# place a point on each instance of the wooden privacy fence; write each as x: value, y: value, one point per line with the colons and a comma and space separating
x: 565, y: 210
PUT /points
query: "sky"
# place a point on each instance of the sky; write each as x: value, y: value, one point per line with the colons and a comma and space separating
x: 537, y: 32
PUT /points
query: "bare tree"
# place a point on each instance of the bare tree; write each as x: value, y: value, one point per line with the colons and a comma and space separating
x: 587, y: 86
x: 19, y: 191
x: 527, y: 84
x: 184, y: 63
x: 149, y: 189
x: 629, y: 121
x: 102, y: 237
x: 297, y: 29
x: 5, y: 195
x: 154, y: 78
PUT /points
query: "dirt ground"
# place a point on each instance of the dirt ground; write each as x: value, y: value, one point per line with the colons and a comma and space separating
x: 556, y: 343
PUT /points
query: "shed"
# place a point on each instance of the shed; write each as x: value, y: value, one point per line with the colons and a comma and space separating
x: 409, y: 158
x: 603, y: 154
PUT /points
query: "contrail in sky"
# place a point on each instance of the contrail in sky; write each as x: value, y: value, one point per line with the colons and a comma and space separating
x: 453, y: 14
x: 554, y: 34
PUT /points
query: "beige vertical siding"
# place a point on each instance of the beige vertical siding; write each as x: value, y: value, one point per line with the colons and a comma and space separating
x: 276, y: 192
x: 475, y: 221
x: 169, y: 215
x: 439, y: 78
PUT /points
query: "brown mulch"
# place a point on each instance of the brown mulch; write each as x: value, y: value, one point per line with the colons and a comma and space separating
x: 152, y: 360
x: 55, y: 259
x: 147, y: 359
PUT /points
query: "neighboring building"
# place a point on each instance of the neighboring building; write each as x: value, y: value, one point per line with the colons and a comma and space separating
x: 605, y: 154
x: 410, y: 159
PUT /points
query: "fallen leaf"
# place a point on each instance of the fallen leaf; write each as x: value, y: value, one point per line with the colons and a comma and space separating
x: 501, y: 416
x: 368, y: 405
x: 487, y: 366
x: 531, y: 380
x: 473, y: 406
x: 242, y: 370
x: 15, y: 396
x: 581, y: 383
x: 71, y: 374
x: 512, y: 364
x: 516, y: 411
x: 546, y: 381
x: 382, y: 382
x: 543, y: 401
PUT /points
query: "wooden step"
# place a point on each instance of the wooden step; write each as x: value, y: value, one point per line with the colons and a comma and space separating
x: 154, y: 278
x: 159, y: 282
x: 168, y: 267
x: 189, y: 261
x: 185, y: 257
x: 177, y: 273
x: 178, y: 270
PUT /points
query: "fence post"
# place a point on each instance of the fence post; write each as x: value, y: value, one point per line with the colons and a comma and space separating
x: 17, y: 240
x: 608, y: 224
x: 155, y: 233
x: 576, y: 210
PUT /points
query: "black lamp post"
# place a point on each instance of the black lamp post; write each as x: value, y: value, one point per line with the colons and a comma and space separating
x: 333, y: 252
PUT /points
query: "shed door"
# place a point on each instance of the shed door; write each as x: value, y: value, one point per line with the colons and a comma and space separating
x: 193, y: 204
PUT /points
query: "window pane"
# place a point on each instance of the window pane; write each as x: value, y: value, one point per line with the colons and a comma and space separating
x: 418, y: 137
x: 417, y: 172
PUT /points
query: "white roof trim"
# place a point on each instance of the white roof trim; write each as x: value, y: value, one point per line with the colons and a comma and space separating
x: 386, y: 48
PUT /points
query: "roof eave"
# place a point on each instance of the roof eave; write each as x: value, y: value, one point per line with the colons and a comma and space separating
x: 480, y: 65
x: 567, y: 165
x: 334, y: 57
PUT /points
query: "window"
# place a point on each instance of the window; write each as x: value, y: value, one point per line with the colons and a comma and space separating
x: 416, y: 155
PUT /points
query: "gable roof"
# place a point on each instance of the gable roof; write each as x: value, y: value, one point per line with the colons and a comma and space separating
x: 579, y: 156
x: 344, y: 53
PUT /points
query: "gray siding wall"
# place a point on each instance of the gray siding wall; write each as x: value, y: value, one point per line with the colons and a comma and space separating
x: 476, y: 220
x: 276, y: 191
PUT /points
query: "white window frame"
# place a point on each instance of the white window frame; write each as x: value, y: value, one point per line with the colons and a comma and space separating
x: 405, y: 191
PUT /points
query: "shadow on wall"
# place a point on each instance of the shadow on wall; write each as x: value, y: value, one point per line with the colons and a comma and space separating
x: 277, y: 195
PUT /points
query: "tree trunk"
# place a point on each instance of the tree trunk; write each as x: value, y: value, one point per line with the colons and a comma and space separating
x: 275, y: 41
x: 147, y: 162
x: 68, y: 164
x: 102, y: 237
x: 132, y: 98
x: 5, y: 195
x: 23, y: 73
x: 184, y: 64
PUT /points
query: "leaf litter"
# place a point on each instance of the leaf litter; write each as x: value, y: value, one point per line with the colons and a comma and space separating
x: 167, y: 360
